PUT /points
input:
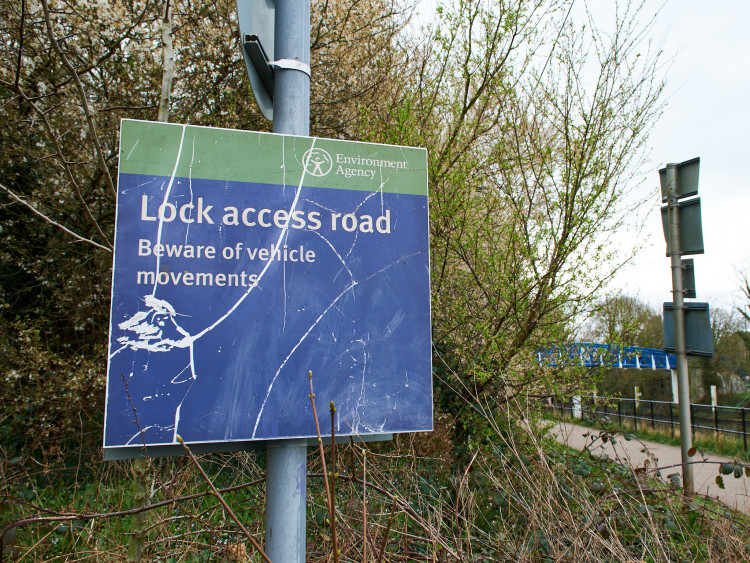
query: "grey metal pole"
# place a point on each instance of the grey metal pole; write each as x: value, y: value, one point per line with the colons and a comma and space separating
x: 286, y: 467
x: 291, y: 92
x: 286, y: 487
x: 683, y: 384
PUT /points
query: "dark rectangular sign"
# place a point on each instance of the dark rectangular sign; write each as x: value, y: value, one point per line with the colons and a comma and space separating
x: 691, y: 227
x: 688, y: 278
x: 687, y: 174
x: 244, y: 260
x: 699, y: 340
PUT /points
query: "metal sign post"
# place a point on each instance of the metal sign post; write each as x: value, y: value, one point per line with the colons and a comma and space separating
x: 683, y: 385
x: 286, y: 466
x: 242, y: 261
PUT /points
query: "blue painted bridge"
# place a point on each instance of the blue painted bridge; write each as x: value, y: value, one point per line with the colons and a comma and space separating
x: 588, y: 354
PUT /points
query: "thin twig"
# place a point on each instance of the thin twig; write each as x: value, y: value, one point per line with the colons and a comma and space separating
x: 20, y: 43
x: 139, y: 522
x: 82, y: 95
x: 320, y: 440
x: 146, y: 458
x: 51, y: 221
x: 364, y: 505
x: 461, y: 486
x: 334, y: 538
x: 383, y: 543
x: 64, y: 163
x: 329, y: 500
x: 221, y: 500
x: 66, y: 517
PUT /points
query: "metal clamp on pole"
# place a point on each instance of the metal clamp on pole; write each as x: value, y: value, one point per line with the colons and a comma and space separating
x: 291, y: 64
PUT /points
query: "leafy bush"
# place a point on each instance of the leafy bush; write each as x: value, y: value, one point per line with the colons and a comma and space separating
x: 48, y: 396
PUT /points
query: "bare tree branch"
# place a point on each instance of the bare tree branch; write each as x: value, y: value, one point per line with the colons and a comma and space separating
x: 66, y: 165
x: 84, y: 102
x: 20, y: 43
x: 51, y: 221
x: 168, y: 71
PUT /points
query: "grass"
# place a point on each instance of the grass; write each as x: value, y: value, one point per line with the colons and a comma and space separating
x: 515, y: 496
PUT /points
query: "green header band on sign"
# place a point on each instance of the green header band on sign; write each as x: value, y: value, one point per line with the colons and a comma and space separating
x: 167, y: 149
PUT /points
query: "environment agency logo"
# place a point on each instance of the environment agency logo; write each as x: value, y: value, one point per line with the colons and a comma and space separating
x: 317, y: 162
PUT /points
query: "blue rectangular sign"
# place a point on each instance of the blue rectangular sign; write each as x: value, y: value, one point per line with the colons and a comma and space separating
x: 245, y: 260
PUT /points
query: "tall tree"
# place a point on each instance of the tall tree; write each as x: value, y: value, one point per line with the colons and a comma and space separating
x: 626, y: 321
x: 731, y: 356
x: 744, y: 311
x: 534, y: 128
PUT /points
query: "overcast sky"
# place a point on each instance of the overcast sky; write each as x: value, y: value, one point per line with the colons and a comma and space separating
x: 708, y: 89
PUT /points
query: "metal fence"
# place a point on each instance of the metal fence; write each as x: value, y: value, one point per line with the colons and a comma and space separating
x: 659, y: 415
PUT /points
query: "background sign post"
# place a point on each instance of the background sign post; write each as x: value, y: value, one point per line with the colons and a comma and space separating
x: 683, y: 384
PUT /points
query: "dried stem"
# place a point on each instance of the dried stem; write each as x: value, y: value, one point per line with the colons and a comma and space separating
x: 384, y: 542
x: 327, y: 483
x: 364, y: 505
x: 334, y: 538
x: 221, y: 500
x: 403, y: 506
x: 462, y: 486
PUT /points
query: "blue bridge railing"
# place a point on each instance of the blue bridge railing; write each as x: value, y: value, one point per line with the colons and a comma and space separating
x: 588, y: 354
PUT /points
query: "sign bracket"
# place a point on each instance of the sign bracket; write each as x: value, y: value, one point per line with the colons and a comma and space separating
x: 259, y: 59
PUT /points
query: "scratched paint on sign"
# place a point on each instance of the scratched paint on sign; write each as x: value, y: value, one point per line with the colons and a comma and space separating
x: 243, y: 261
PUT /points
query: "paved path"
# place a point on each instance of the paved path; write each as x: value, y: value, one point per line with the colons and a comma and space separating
x: 736, y: 493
